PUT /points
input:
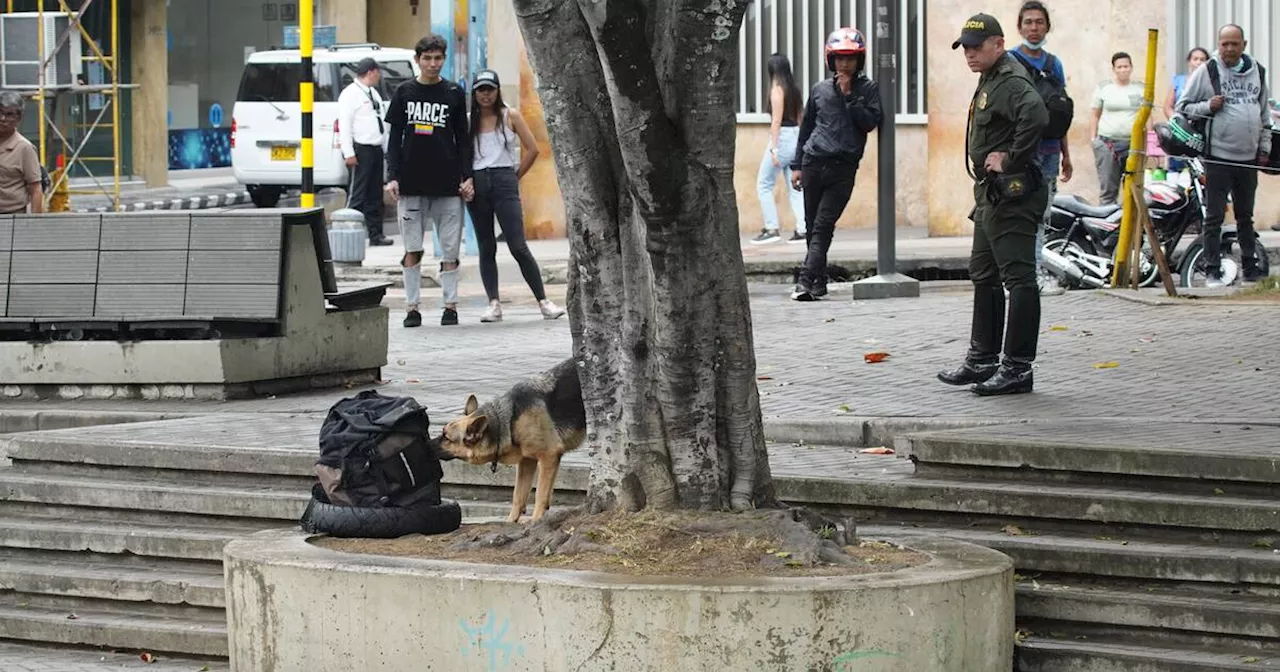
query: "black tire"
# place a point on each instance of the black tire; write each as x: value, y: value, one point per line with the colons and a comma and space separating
x: 265, y: 197
x: 321, y: 517
x: 1187, y: 270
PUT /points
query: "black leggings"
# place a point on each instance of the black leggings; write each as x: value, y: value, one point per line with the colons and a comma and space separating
x: 498, y: 193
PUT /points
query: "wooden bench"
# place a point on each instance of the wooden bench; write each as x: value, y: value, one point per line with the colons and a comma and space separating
x: 156, y: 275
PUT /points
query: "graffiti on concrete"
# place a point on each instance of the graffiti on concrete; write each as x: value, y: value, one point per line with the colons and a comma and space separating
x: 488, y: 641
x: 845, y: 661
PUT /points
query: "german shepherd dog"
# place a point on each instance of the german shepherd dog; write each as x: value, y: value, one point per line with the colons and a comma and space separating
x: 532, y: 426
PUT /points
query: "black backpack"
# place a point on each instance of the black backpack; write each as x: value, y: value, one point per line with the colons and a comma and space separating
x: 1062, y: 109
x: 375, y: 451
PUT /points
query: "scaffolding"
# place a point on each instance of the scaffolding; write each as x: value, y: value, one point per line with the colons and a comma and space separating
x: 57, y: 121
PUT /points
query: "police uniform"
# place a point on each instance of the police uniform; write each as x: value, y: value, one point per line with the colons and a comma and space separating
x: 1005, y: 115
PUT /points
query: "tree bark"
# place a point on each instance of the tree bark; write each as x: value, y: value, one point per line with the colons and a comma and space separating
x: 638, y: 96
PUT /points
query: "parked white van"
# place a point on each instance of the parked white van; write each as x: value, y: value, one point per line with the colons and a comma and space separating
x: 266, y: 122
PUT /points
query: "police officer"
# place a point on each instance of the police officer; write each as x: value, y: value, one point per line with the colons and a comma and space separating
x: 1006, y: 117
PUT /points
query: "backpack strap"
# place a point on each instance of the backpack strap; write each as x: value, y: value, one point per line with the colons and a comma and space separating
x: 1215, y: 77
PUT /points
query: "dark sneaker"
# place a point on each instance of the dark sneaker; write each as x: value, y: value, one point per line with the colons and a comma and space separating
x: 796, y: 237
x: 380, y: 240
x: 449, y: 317
x: 819, y: 291
x: 766, y: 236
x: 1275, y: 227
x: 1253, y: 274
x: 413, y: 319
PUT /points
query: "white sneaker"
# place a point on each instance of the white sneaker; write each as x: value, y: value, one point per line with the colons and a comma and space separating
x: 1049, y: 285
x: 550, y: 311
x: 1214, y: 282
x: 493, y: 314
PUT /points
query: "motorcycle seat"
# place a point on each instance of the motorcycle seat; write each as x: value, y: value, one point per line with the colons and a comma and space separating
x: 1082, y: 208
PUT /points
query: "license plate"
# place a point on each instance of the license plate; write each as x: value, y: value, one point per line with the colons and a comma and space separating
x: 284, y: 153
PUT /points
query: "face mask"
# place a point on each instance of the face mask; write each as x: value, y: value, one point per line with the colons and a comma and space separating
x: 1034, y: 46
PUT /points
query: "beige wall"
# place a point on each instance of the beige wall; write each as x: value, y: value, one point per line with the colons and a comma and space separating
x: 392, y: 23
x: 150, y: 104
x: 350, y: 16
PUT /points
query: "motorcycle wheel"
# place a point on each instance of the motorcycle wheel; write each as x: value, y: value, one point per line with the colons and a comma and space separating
x: 1191, y: 274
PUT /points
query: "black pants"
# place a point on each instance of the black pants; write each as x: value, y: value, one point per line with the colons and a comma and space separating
x: 827, y: 183
x: 498, y: 193
x: 1241, y: 183
x: 1004, y: 257
x: 366, y: 187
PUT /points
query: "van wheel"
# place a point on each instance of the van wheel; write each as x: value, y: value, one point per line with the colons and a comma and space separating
x: 265, y: 197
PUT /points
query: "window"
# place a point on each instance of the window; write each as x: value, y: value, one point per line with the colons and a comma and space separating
x: 394, y: 73
x: 798, y: 28
x: 279, y: 83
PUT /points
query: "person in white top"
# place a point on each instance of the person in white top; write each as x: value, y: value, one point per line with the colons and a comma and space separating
x: 361, y: 132
x: 494, y: 130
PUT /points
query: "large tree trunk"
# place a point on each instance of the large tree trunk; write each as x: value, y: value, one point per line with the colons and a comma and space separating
x: 638, y: 96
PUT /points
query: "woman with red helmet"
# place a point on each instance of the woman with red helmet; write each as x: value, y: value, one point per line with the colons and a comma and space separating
x: 841, y: 111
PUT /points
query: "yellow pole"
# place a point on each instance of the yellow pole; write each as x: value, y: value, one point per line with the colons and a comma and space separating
x: 115, y: 98
x: 306, y: 30
x: 1133, y: 171
x: 44, y: 152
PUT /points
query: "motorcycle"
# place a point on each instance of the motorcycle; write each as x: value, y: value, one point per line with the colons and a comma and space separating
x: 1081, y: 238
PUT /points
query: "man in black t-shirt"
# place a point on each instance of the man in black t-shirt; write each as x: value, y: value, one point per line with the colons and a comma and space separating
x: 429, y: 172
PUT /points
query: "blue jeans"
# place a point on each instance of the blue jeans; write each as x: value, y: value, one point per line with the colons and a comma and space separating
x: 1051, y: 166
x: 768, y: 178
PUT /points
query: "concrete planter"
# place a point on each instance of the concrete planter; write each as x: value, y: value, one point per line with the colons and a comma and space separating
x: 295, y: 606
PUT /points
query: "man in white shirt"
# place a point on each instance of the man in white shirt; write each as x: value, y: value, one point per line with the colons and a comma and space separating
x: 361, y: 131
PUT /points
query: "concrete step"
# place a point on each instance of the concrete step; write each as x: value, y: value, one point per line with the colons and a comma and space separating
x: 1054, y: 655
x: 1191, y: 451
x: 121, y: 536
x: 140, y: 626
x: 106, y: 577
x: 247, y: 502
x: 1220, y: 610
x: 1061, y: 553
x: 1037, y: 500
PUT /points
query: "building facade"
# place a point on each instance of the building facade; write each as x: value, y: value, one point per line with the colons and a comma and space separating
x: 184, y: 60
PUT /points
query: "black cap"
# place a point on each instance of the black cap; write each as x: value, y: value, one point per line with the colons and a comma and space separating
x: 977, y: 29
x: 367, y: 65
x: 486, y: 78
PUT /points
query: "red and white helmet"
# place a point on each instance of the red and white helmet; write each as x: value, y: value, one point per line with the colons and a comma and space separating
x: 844, y: 41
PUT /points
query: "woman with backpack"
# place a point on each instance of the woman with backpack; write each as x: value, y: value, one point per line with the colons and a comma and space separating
x: 495, y: 130
x: 840, y: 113
x: 785, y: 106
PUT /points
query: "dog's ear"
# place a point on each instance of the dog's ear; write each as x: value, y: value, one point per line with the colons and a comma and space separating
x: 471, y: 405
x: 475, y: 430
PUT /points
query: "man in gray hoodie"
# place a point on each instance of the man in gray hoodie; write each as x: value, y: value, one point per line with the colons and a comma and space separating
x: 1239, y: 141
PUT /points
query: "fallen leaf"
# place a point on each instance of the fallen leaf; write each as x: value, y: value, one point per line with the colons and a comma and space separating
x: 879, y: 450
x: 147, y: 658
x: 412, y: 380
x: 782, y: 554
x: 844, y: 408
x: 830, y: 319
x: 875, y: 357
x: 1014, y: 531
x: 400, y: 362
x: 1251, y: 660
x: 203, y: 669
x: 1106, y: 365
x: 794, y: 563
x: 72, y: 617
x: 1058, y: 327
x: 1219, y: 491
x: 764, y: 377
x: 1262, y: 543
x: 1022, y: 635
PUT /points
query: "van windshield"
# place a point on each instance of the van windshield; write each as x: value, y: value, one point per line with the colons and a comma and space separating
x: 279, y: 82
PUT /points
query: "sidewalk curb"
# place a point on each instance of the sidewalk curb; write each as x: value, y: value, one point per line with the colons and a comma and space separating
x: 221, y: 199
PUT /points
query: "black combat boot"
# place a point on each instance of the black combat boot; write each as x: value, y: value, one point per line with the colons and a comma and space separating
x: 984, y: 339
x: 1020, y: 342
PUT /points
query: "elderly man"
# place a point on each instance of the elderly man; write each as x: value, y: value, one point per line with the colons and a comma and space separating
x: 1006, y: 119
x: 20, y: 173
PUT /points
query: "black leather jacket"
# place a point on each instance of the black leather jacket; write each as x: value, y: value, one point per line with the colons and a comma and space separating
x: 836, y: 125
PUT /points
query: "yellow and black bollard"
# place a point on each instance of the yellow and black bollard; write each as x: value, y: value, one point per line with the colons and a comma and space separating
x: 306, y: 97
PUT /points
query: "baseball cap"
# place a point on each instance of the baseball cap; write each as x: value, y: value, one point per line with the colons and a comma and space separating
x: 486, y: 78
x: 367, y: 65
x: 977, y: 29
